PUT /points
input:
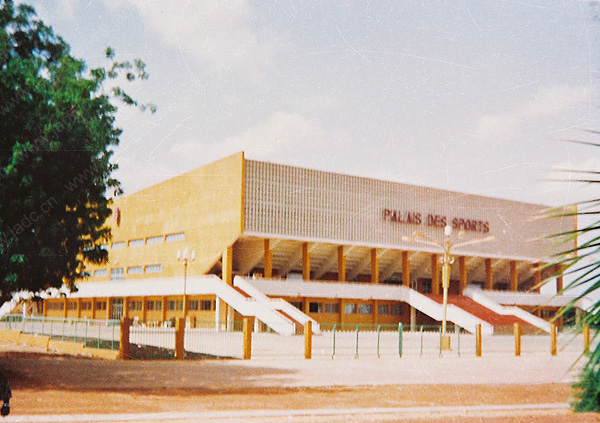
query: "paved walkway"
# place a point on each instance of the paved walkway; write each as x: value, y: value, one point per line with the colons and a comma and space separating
x: 279, y: 415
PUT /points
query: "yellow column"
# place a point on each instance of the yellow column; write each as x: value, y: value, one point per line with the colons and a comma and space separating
x: 227, y: 263
x: 66, y: 308
x: 143, y: 309
x: 125, y: 307
x: 375, y: 312
x: 305, y: 262
x: 108, y: 307
x: 374, y: 266
x: 79, y: 308
x: 248, y: 325
x: 180, y: 338
x: 435, y: 274
x: 308, y: 340
x: 514, y: 276
x: 342, y: 314
x: 93, y: 307
x: 478, y: 341
x: 341, y: 264
x: 405, y: 269
x: 462, y: 266
x: 553, y: 339
x: 489, y: 274
x: 124, y: 339
x: 268, y: 259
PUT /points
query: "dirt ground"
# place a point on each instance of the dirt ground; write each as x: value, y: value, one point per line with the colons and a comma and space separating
x: 51, y: 384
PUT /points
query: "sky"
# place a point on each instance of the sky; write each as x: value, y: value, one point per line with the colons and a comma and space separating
x: 473, y: 96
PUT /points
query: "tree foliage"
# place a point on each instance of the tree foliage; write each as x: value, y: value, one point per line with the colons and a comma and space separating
x: 582, y: 264
x: 57, y: 135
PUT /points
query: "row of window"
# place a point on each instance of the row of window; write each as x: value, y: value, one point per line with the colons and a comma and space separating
x: 180, y: 236
x: 72, y: 305
x: 118, y: 274
x: 151, y: 305
x: 350, y: 308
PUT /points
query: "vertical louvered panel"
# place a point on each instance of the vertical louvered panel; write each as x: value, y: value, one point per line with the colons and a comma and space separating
x: 299, y: 203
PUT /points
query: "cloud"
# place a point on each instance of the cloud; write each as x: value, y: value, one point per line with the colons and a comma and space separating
x: 222, y: 34
x: 548, y: 102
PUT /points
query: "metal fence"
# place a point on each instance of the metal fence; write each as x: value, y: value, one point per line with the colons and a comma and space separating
x: 92, y: 333
x: 226, y: 339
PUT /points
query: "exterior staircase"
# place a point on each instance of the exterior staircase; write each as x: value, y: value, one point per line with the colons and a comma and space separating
x: 480, y: 311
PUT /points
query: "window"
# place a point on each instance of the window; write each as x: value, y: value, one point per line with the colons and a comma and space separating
x: 150, y: 305
x: 171, y: 305
x: 365, y: 309
x: 84, y: 306
x: 154, y: 240
x: 101, y: 272
x: 194, y: 305
x: 383, y: 309
x: 132, y: 305
x: 101, y: 305
x: 117, y: 245
x: 158, y: 305
x: 153, y: 268
x: 396, y: 309
x: 180, y: 305
x: 332, y: 308
x: 117, y: 274
x: 72, y: 305
x: 206, y: 305
x: 175, y: 237
x: 427, y: 286
x: 61, y: 306
x: 136, y: 242
x: 315, y: 307
x: 298, y: 304
x: 135, y: 269
x: 349, y: 308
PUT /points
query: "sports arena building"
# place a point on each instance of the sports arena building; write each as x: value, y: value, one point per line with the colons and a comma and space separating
x: 287, y: 245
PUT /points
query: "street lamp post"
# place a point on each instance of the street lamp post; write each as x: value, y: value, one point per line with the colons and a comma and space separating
x: 447, y: 260
x: 185, y: 258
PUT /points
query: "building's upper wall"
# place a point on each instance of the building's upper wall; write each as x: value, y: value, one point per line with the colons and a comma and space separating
x: 200, y: 210
x: 296, y: 203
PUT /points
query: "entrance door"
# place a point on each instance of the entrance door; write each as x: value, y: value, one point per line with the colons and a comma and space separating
x: 116, y: 311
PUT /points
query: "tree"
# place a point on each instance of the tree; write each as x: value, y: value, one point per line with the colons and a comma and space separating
x: 582, y: 263
x: 57, y: 135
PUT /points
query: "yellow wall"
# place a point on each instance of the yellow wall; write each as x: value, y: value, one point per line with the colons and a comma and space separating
x: 205, y: 204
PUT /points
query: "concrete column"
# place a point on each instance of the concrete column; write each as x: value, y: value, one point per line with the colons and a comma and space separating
x: 341, y: 264
x: 514, y: 276
x: 108, y: 307
x: 553, y: 339
x: 180, y: 338
x: 125, y: 307
x: 517, y: 330
x: 248, y: 324
x: 79, y: 308
x: 374, y: 266
x: 227, y: 265
x: 93, y: 307
x: 462, y: 266
x: 405, y: 269
x: 164, y: 308
x: 268, y: 258
x: 305, y: 262
x: 308, y: 340
x: 66, y: 307
x: 124, y: 338
x: 375, y: 312
x: 489, y: 274
x: 435, y: 274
